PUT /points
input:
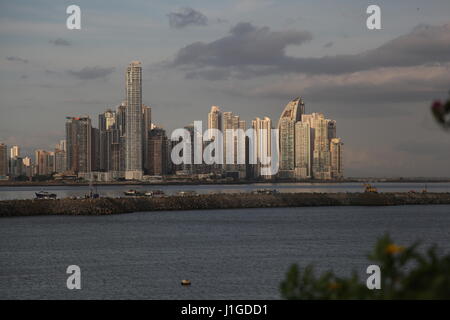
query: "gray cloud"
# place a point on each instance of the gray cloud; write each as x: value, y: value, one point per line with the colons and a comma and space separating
x: 376, y: 93
x: 88, y: 73
x: 187, y: 17
x: 211, y: 75
x: 16, y: 59
x: 262, y: 52
x: 246, y: 45
x: 60, y: 42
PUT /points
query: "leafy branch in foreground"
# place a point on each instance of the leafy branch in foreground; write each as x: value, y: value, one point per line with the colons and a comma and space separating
x: 406, y: 273
x: 441, y: 112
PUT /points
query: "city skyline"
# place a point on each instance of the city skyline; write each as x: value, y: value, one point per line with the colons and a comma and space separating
x: 128, y: 146
x: 358, y: 77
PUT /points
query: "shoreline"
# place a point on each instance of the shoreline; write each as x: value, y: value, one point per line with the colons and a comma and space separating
x: 199, y: 183
x: 108, y: 206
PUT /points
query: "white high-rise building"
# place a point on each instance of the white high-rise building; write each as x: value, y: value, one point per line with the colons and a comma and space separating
x: 291, y: 114
x: 214, y: 121
x: 234, y: 149
x: 262, y: 145
x: 321, y: 162
x: 134, y: 119
x: 303, y: 157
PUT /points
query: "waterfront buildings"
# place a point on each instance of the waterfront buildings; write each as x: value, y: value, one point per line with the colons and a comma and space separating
x: 127, y: 145
x: 306, y: 144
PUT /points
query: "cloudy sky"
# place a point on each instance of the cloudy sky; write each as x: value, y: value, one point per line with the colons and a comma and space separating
x: 247, y: 56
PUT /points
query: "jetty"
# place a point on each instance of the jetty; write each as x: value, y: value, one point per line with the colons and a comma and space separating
x: 107, y: 206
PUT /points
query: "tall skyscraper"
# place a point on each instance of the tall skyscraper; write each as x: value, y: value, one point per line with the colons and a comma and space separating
x: 3, y: 161
x: 214, y: 120
x: 95, y: 149
x: 321, y: 168
x: 146, y: 127
x: 106, y: 124
x: 235, y: 148
x: 303, y: 147
x: 291, y: 114
x: 79, y: 144
x: 120, y: 140
x: 157, y: 152
x: 133, y: 144
x: 337, y: 167
x: 262, y: 147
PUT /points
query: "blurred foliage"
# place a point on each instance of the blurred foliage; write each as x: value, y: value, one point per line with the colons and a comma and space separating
x: 406, y: 273
x: 441, y: 112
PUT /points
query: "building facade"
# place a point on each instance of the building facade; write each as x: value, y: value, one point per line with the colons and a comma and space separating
x: 261, y: 147
x: 337, y: 167
x: 79, y: 144
x: 303, y: 147
x: 133, y: 137
x: 3, y: 161
x: 291, y: 114
x: 157, y: 152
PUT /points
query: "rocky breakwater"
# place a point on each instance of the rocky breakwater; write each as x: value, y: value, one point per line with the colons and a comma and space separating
x: 106, y: 206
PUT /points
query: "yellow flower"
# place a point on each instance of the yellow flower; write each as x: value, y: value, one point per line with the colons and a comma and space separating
x: 393, y: 249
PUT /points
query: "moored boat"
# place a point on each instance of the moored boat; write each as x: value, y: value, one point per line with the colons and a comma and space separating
x: 133, y: 192
x: 45, y: 195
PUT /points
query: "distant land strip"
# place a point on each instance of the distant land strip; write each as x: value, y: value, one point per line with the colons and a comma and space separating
x: 108, y: 206
x: 181, y: 182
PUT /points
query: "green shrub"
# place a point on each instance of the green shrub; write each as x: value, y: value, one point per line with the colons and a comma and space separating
x: 406, y: 273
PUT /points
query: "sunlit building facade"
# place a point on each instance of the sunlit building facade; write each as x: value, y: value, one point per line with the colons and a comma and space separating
x: 134, y: 122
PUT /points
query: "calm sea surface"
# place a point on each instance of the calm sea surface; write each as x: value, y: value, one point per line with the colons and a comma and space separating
x: 7, y: 193
x: 227, y: 254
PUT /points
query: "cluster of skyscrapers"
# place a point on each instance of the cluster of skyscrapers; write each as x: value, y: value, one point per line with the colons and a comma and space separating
x: 128, y: 146
x: 309, y: 147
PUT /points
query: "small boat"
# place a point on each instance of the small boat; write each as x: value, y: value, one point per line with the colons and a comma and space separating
x: 133, y: 192
x: 185, y: 282
x: 188, y: 193
x: 153, y: 193
x: 45, y: 195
